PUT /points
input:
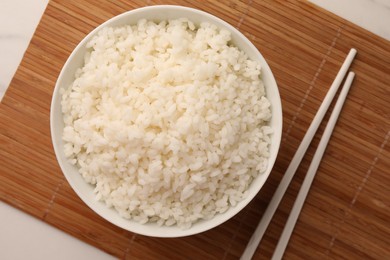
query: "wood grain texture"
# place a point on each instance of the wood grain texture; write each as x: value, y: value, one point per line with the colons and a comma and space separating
x: 346, y: 215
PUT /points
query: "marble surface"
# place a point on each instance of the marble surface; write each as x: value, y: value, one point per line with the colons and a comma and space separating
x: 24, y: 237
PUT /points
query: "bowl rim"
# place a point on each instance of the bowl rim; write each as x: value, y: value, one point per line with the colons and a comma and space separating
x: 206, y: 224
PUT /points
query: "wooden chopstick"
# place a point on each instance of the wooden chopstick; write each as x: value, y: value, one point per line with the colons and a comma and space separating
x: 304, y: 190
x: 283, y: 185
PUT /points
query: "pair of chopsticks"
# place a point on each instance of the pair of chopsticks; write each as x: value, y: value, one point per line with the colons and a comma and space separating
x: 277, y: 197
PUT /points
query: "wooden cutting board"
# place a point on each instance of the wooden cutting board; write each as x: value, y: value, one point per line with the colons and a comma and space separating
x: 346, y: 214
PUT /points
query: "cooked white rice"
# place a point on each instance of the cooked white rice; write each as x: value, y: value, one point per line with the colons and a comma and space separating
x: 169, y: 121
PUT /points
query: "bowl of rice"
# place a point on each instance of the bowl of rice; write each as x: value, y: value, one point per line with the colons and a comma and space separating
x: 166, y: 121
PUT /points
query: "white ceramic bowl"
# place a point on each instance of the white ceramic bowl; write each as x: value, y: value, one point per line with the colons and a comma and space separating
x: 85, y: 191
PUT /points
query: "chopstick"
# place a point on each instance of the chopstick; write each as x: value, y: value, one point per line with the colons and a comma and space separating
x: 277, y: 197
x: 293, y: 217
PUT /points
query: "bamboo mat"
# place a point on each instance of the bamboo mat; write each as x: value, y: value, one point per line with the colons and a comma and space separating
x: 346, y: 215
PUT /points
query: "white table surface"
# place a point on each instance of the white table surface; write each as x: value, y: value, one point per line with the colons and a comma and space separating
x: 24, y: 237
